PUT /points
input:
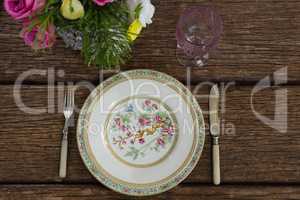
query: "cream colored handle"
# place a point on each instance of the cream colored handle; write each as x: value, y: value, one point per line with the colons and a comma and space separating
x: 63, y: 158
x: 216, y: 165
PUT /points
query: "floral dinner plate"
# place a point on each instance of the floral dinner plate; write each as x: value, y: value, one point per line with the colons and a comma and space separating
x: 140, y: 132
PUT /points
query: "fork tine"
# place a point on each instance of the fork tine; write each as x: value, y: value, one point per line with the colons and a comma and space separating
x: 67, y: 94
x: 65, y: 100
x: 73, y: 96
x: 69, y: 98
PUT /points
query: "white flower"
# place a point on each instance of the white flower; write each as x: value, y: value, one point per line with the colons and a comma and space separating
x: 145, y: 13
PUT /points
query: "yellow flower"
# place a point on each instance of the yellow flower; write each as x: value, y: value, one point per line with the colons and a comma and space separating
x: 134, y: 30
x: 72, y: 9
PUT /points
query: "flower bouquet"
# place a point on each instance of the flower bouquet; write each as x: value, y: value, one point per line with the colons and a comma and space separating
x: 103, y: 30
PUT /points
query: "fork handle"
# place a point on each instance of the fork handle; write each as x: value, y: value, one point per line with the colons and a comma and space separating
x: 216, y: 162
x: 63, y: 156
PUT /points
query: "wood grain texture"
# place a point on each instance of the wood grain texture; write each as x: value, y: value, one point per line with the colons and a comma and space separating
x: 254, y: 152
x: 259, y: 38
x: 30, y: 144
x: 255, y: 145
x: 198, y: 192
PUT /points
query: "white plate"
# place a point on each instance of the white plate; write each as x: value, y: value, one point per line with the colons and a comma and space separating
x: 140, y: 132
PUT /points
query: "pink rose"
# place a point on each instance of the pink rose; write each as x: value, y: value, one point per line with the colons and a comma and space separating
x: 38, y: 38
x: 20, y: 9
x: 102, y: 2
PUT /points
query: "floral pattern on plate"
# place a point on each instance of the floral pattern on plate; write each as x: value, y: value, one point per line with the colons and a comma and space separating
x: 141, y: 131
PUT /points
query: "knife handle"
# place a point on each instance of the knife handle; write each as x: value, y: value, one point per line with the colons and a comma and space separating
x: 216, y: 162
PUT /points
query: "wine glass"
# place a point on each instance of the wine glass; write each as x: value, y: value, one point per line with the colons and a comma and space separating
x: 198, y: 32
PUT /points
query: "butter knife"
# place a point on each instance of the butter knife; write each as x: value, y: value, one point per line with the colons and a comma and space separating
x: 214, y: 99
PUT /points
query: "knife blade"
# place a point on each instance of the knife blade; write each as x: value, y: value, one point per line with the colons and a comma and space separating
x: 214, y: 99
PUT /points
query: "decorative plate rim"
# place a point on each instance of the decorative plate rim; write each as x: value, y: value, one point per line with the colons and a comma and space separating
x: 154, y: 189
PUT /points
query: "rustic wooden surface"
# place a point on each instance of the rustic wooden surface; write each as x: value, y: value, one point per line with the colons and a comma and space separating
x: 196, y: 192
x: 258, y: 162
x: 30, y: 145
x: 259, y: 37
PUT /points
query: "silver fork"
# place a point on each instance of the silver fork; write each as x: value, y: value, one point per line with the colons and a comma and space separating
x: 68, y: 112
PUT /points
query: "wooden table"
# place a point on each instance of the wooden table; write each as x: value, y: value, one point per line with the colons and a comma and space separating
x: 258, y: 161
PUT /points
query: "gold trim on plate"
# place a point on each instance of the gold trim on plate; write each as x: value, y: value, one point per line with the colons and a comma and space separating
x: 174, y: 121
x: 154, y: 187
x: 115, y: 179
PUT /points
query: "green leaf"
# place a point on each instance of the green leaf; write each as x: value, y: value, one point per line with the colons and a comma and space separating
x: 125, y: 119
x: 105, y: 40
x: 137, y: 11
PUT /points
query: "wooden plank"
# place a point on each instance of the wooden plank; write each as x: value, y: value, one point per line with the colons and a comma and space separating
x: 29, y: 144
x: 257, y: 151
x: 32, y: 148
x: 259, y: 38
x: 74, y: 192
